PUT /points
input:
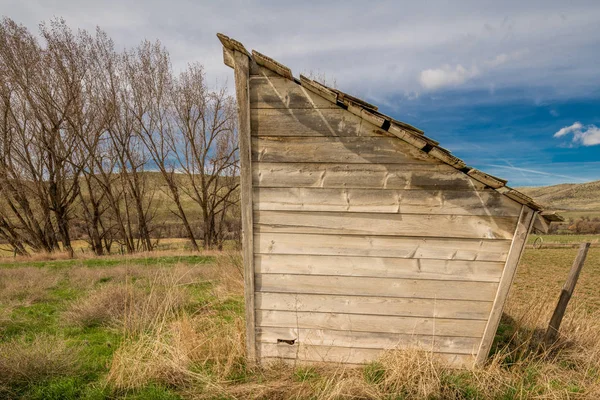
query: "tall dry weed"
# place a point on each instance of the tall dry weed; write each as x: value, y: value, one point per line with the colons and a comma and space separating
x: 180, y: 353
x: 132, y: 308
x: 184, y: 348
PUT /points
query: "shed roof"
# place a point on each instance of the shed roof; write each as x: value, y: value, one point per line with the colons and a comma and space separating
x: 408, y: 133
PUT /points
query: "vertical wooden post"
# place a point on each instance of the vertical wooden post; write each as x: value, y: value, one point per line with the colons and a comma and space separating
x: 565, y: 295
x: 524, y: 225
x: 242, y: 81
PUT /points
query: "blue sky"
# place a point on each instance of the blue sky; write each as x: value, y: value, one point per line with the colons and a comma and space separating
x: 491, y: 81
x: 508, y: 133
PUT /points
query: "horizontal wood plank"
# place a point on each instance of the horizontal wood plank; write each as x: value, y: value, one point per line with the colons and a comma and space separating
x: 409, y: 268
x: 347, y: 355
x: 305, y: 122
x: 370, y: 323
x: 380, y: 246
x: 268, y: 91
x: 368, y: 340
x: 355, y: 150
x: 458, y: 361
x: 447, y: 226
x: 362, y: 176
x: 430, y: 308
x: 368, y: 286
x: 449, y: 202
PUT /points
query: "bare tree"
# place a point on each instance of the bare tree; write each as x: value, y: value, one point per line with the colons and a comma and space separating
x: 207, y: 149
x: 38, y: 93
x: 150, y: 78
x: 81, y: 125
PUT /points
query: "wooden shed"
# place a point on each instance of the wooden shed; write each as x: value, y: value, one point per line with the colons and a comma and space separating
x: 361, y: 234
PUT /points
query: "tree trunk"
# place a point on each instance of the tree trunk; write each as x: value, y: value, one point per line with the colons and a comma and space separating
x: 182, y: 215
x: 63, y: 229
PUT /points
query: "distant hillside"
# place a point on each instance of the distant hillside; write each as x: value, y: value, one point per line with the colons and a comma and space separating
x: 576, y: 198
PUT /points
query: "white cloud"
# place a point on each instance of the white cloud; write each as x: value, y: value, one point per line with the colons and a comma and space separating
x: 568, y: 129
x: 446, y: 76
x: 588, y: 135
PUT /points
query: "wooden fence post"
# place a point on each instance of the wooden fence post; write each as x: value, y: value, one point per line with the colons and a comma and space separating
x: 565, y: 295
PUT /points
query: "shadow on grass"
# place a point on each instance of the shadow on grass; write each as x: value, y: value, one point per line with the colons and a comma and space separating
x: 514, y: 342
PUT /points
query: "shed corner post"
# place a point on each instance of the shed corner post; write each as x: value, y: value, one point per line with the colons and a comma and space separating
x: 524, y: 225
x: 242, y: 89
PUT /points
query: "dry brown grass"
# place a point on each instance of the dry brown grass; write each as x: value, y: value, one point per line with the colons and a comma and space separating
x: 105, y: 306
x: 39, y: 256
x: 23, y: 361
x: 200, y: 355
x: 26, y: 285
x: 181, y: 348
x: 129, y: 306
x: 542, y: 273
x: 180, y: 353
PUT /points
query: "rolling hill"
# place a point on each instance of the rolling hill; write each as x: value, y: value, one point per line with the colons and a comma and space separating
x: 574, y: 199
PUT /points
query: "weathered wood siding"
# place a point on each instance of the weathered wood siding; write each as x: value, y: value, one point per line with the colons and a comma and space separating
x: 361, y: 241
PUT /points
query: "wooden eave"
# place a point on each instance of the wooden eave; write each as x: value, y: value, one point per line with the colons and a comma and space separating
x: 401, y: 130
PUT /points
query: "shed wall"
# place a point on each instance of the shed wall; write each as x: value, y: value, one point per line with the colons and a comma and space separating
x: 361, y: 241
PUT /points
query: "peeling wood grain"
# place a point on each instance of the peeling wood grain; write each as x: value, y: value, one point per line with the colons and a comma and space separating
x: 319, y: 89
x: 450, y: 226
x: 278, y: 92
x: 446, y: 157
x: 514, y: 255
x: 384, y: 287
x: 370, y: 323
x: 363, y: 176
x: 347, y: 355
x: 487, y: 179
x: 269, y: 63
x: 369, y: 340
x: 306, y: 122
x: 242, y: 71
x: 381, y: 246
x: 448, y: 202
x: 409, y: 268
x: 359, y: 150
x: 373, y: 305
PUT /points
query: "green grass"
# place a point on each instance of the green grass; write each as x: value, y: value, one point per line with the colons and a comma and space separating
x: 30, y: 317
x: 110, y: 262
x: 564, y: 239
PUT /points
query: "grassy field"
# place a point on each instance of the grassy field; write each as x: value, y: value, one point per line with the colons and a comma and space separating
x: 82, y: 248
x: 166, y: 326
x: 575, y: 240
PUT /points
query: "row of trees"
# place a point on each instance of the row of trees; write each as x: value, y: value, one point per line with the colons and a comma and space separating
x: 81, y: 124
x: 584, y: 225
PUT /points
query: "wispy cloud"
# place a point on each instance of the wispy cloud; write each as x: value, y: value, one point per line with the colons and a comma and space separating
x: 588, y: 135
x: 537, y: 172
